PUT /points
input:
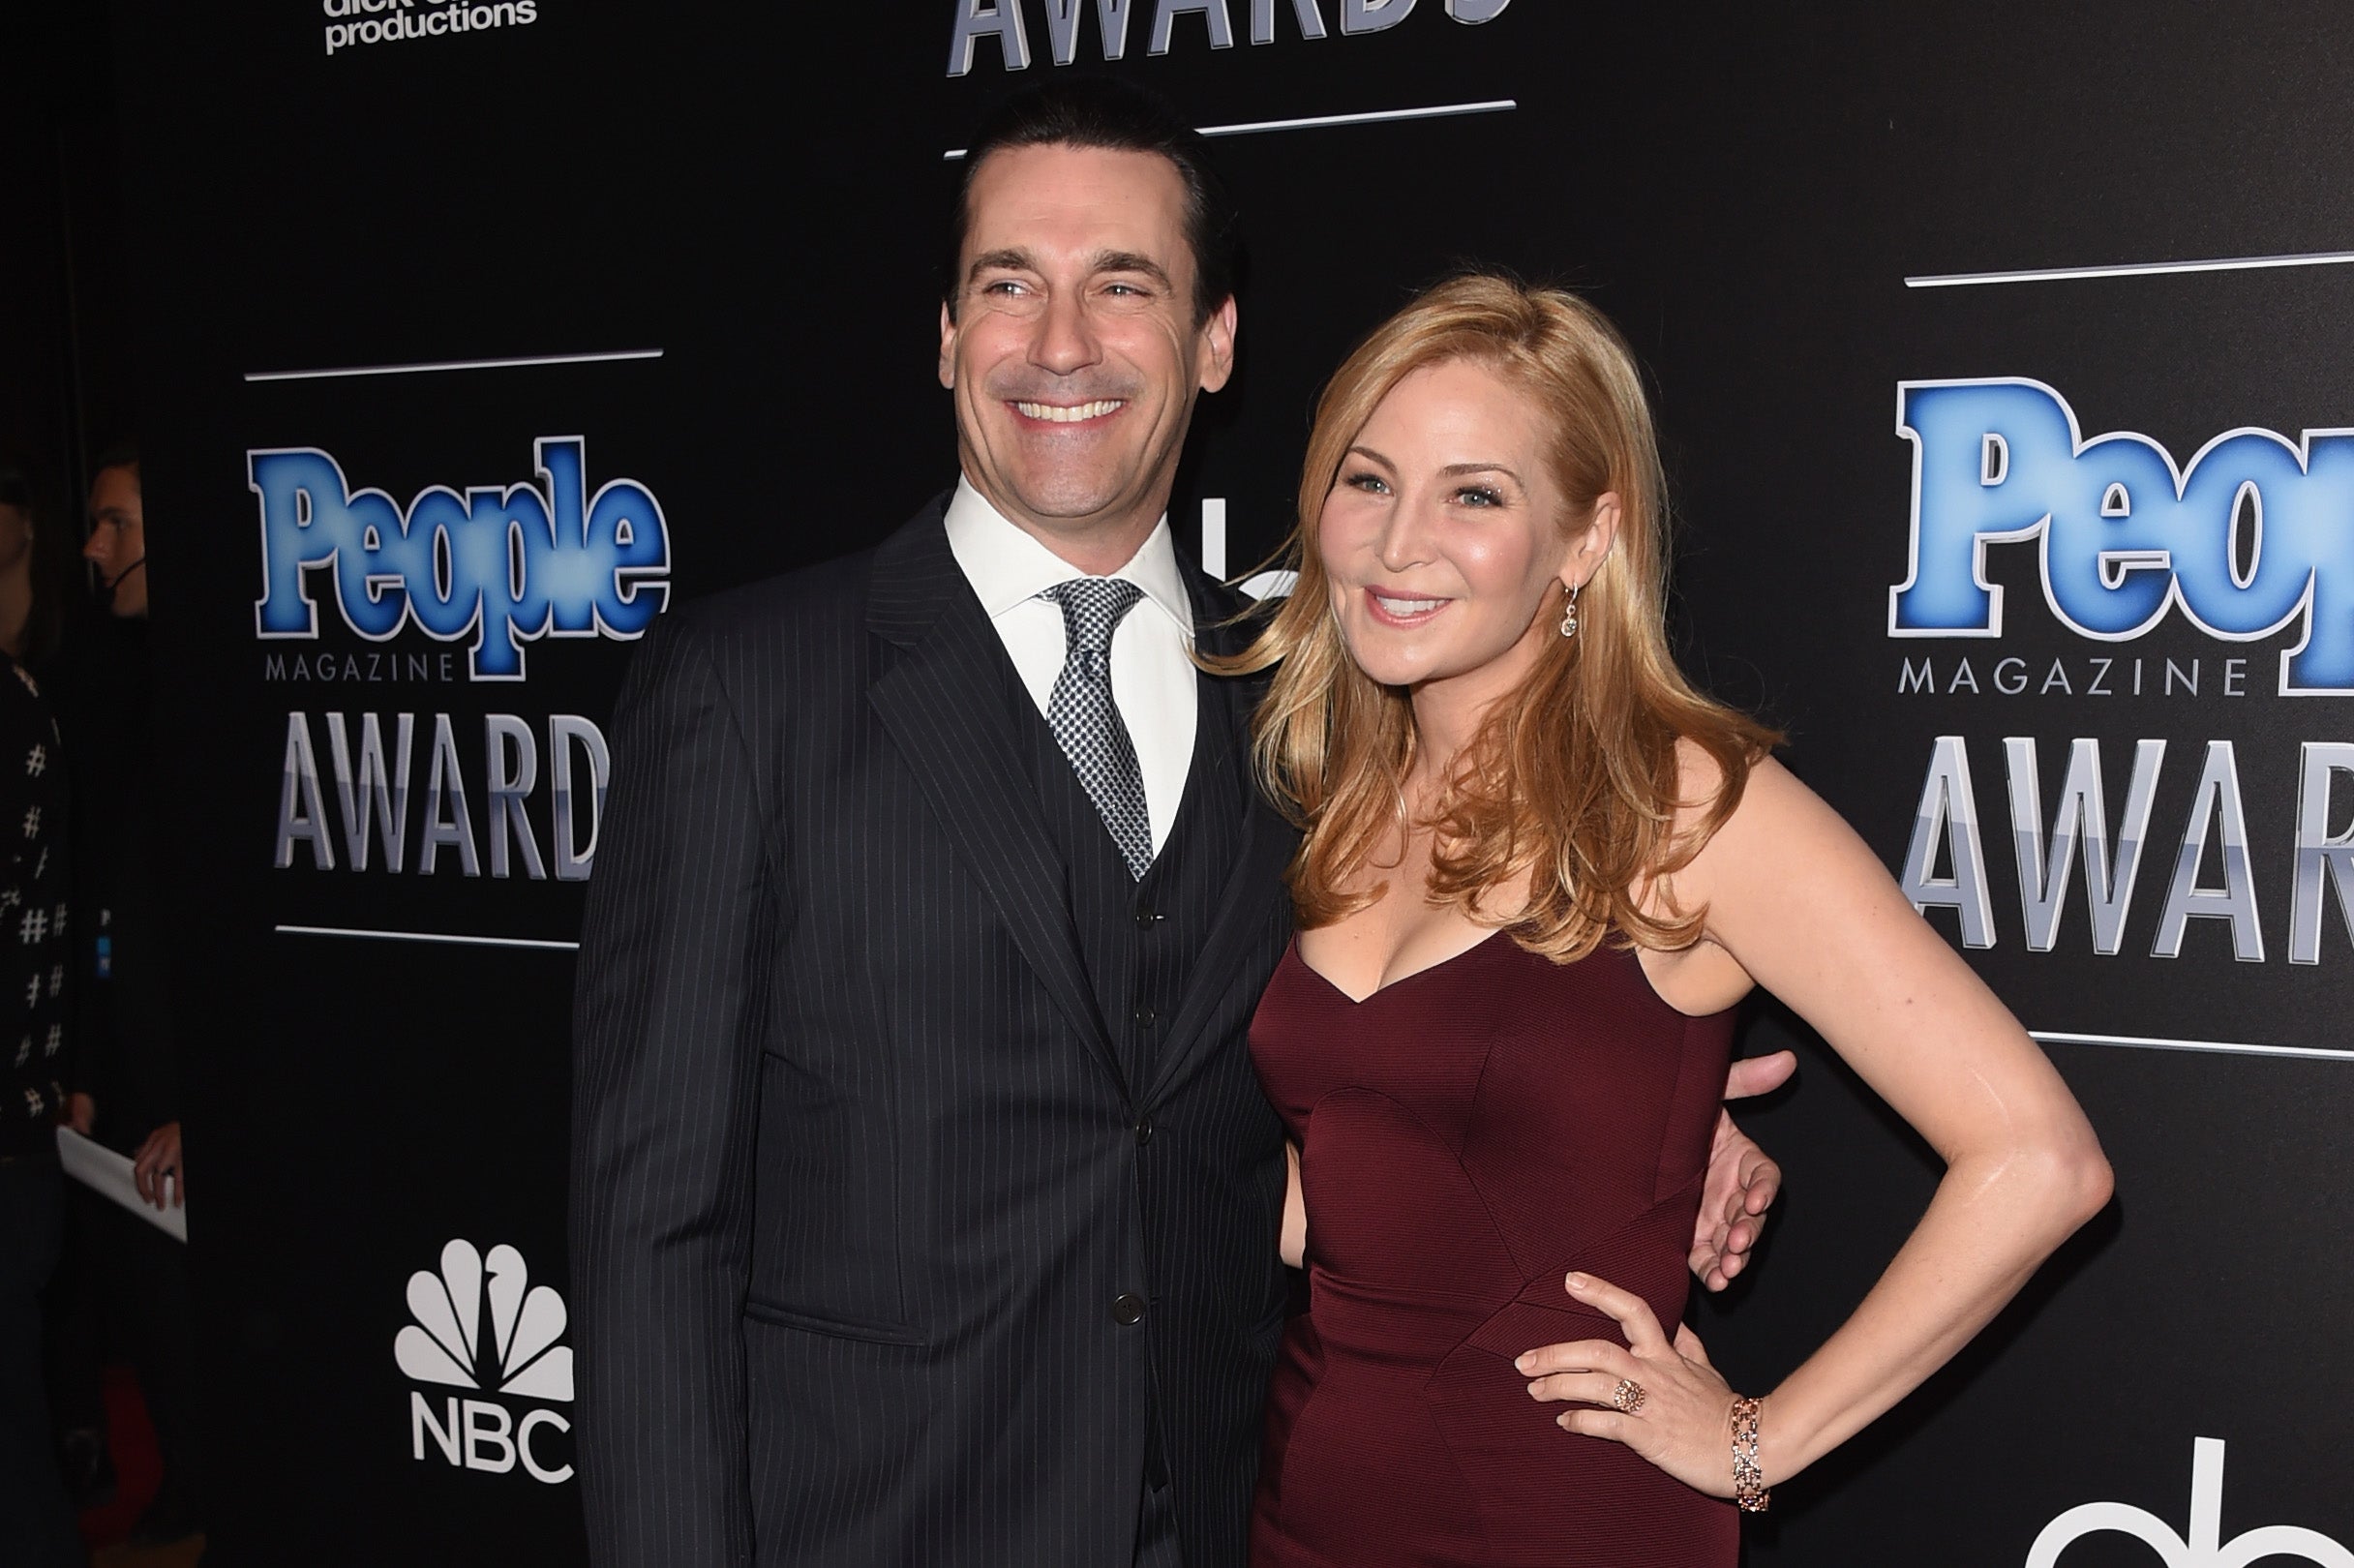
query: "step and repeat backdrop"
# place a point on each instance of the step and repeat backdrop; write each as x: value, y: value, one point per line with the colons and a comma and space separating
x: 478, y: 333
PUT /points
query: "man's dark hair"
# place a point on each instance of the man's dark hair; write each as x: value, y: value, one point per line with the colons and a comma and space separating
x: 1110, y: 116
x: 118, y: 455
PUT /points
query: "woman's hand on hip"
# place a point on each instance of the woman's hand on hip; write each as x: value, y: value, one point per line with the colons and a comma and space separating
x: 1678, y: 1413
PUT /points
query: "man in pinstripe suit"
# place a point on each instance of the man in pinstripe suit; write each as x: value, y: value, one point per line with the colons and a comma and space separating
x: 924, y: 1198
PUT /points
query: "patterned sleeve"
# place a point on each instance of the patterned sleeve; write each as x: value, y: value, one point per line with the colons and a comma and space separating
x: 34, y: 918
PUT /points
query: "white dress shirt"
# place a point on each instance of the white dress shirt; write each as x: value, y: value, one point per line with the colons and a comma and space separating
x: 1152, y: 676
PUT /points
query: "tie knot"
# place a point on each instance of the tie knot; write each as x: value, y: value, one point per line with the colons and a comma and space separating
x: 1093, y: 608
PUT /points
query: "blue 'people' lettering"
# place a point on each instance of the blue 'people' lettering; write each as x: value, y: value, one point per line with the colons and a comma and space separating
x: 2257, y: 532
x: 506, y: 565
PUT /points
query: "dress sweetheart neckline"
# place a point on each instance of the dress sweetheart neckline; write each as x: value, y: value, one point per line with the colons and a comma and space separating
x: 1410, y: 975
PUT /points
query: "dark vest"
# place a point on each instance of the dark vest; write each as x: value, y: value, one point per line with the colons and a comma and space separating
x: 1139, y: 940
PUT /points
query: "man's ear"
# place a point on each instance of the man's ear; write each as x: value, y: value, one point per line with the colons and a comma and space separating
x: 1218, y: 346
x: 1592, y: 547
x: 948, y: 347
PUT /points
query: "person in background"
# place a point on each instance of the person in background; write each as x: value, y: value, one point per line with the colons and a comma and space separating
x: 36, y: 1524
x: 117, y: 544
x: 127, y: 1078
x: 32, y: 590
x: 111, y: 713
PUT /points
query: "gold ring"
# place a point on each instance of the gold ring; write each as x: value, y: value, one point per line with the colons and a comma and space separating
x: 1628, y: 1396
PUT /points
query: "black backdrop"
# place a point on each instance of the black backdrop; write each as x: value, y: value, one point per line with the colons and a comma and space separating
x: 755, y: 192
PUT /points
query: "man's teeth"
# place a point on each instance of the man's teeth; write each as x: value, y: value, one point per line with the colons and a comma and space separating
x: 1055, y: 414
x: 1408, y: 607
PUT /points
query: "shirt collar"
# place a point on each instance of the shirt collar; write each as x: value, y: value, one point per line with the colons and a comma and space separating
x: 1008, y: 566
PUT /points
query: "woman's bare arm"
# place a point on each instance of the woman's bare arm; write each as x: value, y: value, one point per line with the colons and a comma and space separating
x: 1802, y: 905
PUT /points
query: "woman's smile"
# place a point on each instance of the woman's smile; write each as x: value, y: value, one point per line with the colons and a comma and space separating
x: 1395, y: 608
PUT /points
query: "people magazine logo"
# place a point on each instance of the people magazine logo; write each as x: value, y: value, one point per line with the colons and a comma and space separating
x: 2252, y: 538
x: 482, y: 1326
x: 2204, y: 1547
x: 495, y: 567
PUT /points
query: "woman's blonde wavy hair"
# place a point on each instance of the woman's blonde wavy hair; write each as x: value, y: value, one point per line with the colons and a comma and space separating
x: 1572, y: 790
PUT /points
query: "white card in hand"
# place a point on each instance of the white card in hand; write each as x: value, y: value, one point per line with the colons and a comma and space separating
x: 109, y: 1174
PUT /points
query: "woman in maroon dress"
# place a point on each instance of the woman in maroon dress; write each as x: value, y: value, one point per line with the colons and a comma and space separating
x: 1538, y: 871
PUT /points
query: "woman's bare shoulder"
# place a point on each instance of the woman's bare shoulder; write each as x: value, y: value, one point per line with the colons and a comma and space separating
x: 1764, y: 787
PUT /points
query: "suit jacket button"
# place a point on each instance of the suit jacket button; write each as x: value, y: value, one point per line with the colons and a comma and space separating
x: 1144, y: 1017
x: 1146, y: 920
x: 1127, y: 1311
x: 1144, y: 1131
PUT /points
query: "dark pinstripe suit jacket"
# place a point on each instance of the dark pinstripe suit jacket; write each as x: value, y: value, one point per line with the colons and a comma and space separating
x: 856, y: 1175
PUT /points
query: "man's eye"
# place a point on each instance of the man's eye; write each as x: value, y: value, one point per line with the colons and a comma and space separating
x: 1004, y: 287
x: 1129, y: 290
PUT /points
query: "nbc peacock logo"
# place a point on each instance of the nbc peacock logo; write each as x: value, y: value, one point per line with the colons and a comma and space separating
x: 480, y: 1324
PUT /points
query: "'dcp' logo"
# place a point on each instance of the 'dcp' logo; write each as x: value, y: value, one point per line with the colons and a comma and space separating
x: 482, y: 1325
x: 2206, y: 1548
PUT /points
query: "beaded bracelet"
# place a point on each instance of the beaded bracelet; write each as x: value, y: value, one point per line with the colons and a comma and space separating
x: 1749, y: 1488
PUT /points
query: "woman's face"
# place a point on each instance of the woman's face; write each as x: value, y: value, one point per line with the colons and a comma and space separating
x: 1445, y: 538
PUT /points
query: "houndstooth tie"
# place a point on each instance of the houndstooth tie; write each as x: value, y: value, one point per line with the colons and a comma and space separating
x: 1087, y: 721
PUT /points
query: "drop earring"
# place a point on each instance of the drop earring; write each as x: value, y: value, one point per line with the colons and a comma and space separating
x: 1569, y: 611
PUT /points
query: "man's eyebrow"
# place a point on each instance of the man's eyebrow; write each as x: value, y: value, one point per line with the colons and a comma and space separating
x: 1007, y: 259
x: 1130, y: 261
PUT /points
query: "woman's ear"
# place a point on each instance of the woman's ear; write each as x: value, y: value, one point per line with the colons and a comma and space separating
x: 1592, y: 547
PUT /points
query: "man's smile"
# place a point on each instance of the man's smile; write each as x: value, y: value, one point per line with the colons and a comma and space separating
x: 1073, y: 413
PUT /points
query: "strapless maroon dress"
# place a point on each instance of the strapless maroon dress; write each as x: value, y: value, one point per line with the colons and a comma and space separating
x: 1467, y: 1135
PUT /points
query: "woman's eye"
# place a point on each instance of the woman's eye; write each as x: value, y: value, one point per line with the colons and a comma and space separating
x: 1373, y: 484
x: 1479, y: 495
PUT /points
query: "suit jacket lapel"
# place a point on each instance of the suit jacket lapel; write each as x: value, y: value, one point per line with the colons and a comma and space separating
x: 944, y: 705
x: 1254, y: 897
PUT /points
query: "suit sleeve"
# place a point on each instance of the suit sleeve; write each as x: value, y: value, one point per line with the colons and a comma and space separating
x: 666, y: 1051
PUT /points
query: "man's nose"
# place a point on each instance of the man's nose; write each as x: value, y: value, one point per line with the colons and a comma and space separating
x: 1065, y: 340
x: 94, y: 548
